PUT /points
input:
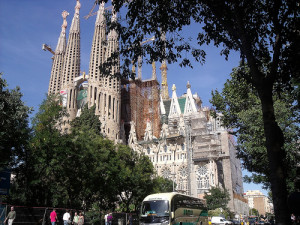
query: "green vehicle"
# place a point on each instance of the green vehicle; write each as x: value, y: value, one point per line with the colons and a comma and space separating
x: 173, y: 209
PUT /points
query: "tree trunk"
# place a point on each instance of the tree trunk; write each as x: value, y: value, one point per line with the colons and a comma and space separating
x: 276, y: 155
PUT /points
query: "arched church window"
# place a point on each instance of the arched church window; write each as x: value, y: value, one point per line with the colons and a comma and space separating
x: 202, y: 179
x: 183, y: 171
x: 166, y: 172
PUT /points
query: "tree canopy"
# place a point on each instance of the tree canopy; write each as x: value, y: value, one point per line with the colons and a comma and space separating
x: 217, y: 198
x: 240, y: 108
x: 79, y: 169
x: 14, y: 125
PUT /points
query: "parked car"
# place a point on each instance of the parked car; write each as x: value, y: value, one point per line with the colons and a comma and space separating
x: 218, y: 220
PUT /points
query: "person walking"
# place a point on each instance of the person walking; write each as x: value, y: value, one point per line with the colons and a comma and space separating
x: 105, y: 219
x: 75, y: 219
x: 80, y: 219
x: 53, y: 217
x: 129, y: 222
x: 66, y: 218
x: 11, y: 216
x: 109, y: 219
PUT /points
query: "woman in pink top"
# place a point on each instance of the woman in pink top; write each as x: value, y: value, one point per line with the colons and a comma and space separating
x: 53, y: 217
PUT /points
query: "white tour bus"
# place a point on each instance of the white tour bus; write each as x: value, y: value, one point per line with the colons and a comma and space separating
x: 173, y: 209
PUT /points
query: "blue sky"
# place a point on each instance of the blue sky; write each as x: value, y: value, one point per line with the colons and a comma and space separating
x: 25, y: 25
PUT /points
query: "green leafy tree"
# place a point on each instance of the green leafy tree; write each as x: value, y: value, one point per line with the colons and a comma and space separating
x: 162, y: 184
x: 217, y: 198
x: 265, y: 33
x: 86, y: 121
x: 240, y: 108
x: 64, y: 169
x: 93, y: 162
x: 219, y: 211
x: 134, y: 179
x: 253, y: 212
x: 14, y: 126
x: 48, y: 156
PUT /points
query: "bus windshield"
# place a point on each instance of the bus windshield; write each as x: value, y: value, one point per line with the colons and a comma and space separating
x: 157, y: 208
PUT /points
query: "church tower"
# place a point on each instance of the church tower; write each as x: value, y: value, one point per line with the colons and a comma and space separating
x: 57, y: 65
x: 111, y: 89
x: 71, y: 68
x: 96, y: 81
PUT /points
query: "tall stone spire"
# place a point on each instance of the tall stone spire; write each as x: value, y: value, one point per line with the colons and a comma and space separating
x: 164, y: 82
x: 71, y: 68
x: 61, y: 44
x: 111, y: 90
x: 97, y: 57
x: 97, y: 52
x: 72, y: 56
x: 57, y: 65
x: 113, y: 45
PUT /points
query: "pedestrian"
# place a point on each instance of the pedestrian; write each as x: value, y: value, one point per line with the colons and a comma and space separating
x: 11, y: 216
x: 109, y: 218
x: 129, y: 222
x: 53, y: 217
x: 75, y: 219
x: 80, y: 219
x: 105, y: 219
x: 66, y: 218
x: 293, y: 218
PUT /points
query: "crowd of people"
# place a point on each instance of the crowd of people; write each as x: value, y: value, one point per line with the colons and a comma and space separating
x: 77, y: 219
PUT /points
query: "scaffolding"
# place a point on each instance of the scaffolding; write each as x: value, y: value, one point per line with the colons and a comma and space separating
x: 140, y: 103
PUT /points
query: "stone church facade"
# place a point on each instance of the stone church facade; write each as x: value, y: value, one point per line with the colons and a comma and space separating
x: 183, y: 141
x: 193, y: 150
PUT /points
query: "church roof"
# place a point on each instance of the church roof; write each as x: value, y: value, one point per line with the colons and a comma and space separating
x: 181, y: 101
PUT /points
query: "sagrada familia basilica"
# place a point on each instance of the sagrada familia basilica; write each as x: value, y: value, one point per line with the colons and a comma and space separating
x: 183, y: 141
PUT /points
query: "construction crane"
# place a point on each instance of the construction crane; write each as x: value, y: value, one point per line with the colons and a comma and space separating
x: 47, y: 47
x: 148, y: 40
x: 91, y: 13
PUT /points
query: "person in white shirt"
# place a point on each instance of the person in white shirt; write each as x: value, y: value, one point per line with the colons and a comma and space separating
x: 105, y: 218
x: 66, y: 217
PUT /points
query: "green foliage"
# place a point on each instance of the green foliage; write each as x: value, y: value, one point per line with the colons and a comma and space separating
x: 220, y: 212
x: 87, y: 121
x: 94, y: 215
x: 14, y: 128
x: 135, y: 173
x: 217, y: 198
x: 253, y: 212
x: 163, y: 185
x: 240, y: 108
x: 69, y: 169
x: 40, y: 179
